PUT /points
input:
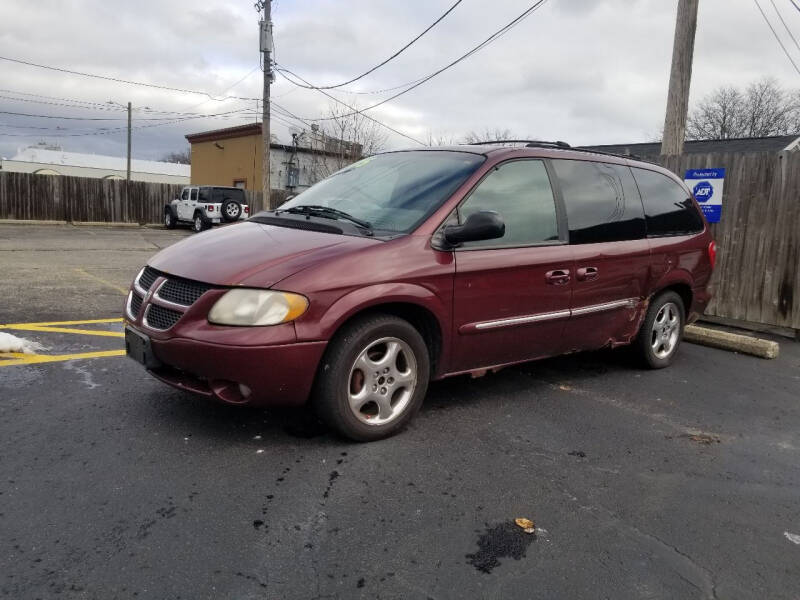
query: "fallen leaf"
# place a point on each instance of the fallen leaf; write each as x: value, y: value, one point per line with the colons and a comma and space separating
x: 527, y: 525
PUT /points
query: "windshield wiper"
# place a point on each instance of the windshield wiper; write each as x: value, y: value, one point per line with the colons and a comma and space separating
x: 326, y: 212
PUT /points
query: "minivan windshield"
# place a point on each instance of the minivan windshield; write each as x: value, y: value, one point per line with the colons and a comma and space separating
x: 393, y: 192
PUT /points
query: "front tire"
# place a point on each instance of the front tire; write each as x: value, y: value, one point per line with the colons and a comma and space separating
x: 373, y: 378
x: 662, y: 331
x: 169, y: 219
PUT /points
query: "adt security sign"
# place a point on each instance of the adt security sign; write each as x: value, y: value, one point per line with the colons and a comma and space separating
x: 706, y: 185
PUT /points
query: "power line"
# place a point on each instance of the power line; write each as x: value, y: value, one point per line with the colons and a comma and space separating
x: 392, y: 57
x: 230, y: 87
x: 495, y: 36
x: 785, y: 26
x: 797, y: 6
x: 777, y: 38
x: 355, y: 112
x: 100, y: 131
x: 69, y: 118
x: 126, y: 81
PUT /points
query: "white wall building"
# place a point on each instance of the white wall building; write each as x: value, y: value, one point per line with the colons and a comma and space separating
x: 49, y: 160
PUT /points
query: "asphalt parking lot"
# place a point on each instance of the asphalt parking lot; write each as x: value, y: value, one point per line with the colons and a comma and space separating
x: 680, y: 483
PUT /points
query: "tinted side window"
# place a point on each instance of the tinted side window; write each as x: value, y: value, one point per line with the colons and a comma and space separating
x: 668, y: 208
x: 602, y: 202
x: 204, y: 195
x: 185, y: 194
x: 194, y: 194
x: 223, y: 194
x: 520, y: 191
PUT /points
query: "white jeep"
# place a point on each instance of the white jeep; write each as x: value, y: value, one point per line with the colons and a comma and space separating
x: 204, y: 205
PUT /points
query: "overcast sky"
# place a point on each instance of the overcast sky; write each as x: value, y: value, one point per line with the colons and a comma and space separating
x: 582, y: 71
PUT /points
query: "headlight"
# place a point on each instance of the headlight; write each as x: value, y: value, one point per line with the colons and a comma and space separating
x: 257, y: 307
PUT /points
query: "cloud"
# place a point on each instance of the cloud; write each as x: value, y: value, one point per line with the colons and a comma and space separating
x: 585, y: 71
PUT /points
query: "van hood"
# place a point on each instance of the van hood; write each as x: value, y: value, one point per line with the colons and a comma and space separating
x: 252, y: 254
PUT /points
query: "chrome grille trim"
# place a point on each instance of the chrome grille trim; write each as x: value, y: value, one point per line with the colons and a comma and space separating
x: 147, y: 324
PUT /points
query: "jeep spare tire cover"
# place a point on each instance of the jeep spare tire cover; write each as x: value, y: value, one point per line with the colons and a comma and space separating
x: 231, y: 210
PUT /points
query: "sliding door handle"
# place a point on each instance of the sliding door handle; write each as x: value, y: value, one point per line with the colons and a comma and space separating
x: 587, y: 273
x: 557, y: 277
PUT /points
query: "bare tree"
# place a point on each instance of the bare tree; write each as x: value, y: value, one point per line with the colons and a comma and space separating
x: 488, y: 135
x: 764, y: 108
x: 441, y: 139
x: 342, y: 138
x: 183, y: 157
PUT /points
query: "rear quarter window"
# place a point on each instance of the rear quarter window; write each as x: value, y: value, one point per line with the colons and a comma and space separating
x: 668, y: 208
x: 602, y: 201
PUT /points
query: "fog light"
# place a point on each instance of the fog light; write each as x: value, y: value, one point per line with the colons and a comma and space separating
x: 244, y: 390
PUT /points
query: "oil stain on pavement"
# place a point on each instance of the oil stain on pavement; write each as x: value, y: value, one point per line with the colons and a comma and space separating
x: 500, y: 541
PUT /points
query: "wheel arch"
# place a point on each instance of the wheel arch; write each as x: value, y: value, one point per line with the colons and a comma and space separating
x: 413, y: 303
x: 683, y: 288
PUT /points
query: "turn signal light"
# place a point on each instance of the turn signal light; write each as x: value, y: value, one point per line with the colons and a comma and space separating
x: 712, y: 253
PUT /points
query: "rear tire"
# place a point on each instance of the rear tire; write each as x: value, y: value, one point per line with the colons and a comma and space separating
x: 199, y: 222
x: 231, y: 211
x: 373, y: 378
x: 662, y: 330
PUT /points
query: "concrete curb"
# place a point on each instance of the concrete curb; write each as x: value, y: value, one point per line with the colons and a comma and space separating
x: 734, y: 342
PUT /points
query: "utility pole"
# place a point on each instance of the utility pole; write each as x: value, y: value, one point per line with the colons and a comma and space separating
x: 128, y: 178
x: 680, y: 78
x: 265, y: 37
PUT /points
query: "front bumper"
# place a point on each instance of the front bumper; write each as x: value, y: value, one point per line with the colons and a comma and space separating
x: 277, y: 375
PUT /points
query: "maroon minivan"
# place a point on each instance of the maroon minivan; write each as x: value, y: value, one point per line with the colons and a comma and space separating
x: 417, y: 265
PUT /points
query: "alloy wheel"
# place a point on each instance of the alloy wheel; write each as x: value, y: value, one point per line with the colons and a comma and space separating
x: 382, y: 381
x: 666, y: 330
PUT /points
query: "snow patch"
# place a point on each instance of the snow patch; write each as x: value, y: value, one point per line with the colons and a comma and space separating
x: 792, y: 537
x: 12, y: 343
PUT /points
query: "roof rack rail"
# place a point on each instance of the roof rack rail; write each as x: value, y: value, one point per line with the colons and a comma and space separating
x: 603, y: 152
x: 559, y: 145
x: 528, y: 143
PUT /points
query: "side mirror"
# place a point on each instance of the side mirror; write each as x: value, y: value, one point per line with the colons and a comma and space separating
x: 482, y: 225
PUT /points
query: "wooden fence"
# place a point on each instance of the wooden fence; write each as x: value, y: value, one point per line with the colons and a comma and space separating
x: 80, y: 199
x: 757, y: 277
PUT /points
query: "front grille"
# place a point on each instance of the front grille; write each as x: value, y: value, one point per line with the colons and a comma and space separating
x: 162, y: 318
x: 182, y: 291
x: 136, y: 304
x: 148, y: 277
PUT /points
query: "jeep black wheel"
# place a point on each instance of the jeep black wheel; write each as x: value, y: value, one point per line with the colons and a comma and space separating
x: 169, y: 219
x: 199, y: 223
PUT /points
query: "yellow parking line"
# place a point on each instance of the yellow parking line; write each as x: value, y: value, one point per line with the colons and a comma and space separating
x: 99, y: 332
x: 32, y: 359
x: 101, y: 280
x: 56, y: 323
